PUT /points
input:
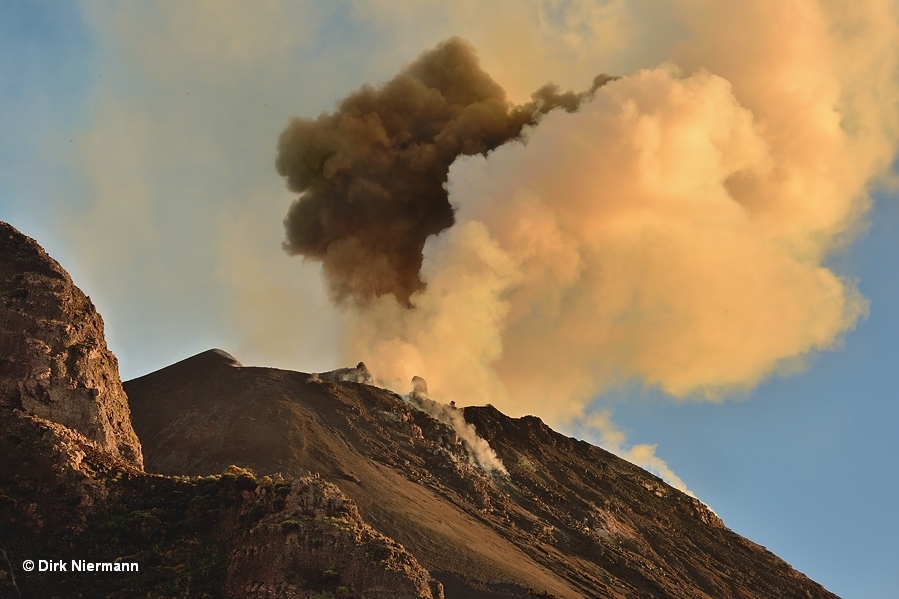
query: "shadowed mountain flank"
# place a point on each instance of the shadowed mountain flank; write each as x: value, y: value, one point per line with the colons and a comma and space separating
x: 565, y: 519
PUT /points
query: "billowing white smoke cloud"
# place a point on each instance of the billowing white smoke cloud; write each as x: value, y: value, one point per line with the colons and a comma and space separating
x: 671, y: 232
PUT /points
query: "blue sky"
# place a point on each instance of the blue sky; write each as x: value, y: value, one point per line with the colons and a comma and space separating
x: 138, y: 149
x: 46, y: 58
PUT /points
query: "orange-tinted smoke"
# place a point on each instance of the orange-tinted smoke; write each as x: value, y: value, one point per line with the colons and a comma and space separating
x: 671, y: 232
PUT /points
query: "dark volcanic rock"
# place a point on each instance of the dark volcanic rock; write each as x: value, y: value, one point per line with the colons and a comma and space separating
x: 318, y: 537
x: 63, y: 497
x: 53, y: 357
x: 568, y: 520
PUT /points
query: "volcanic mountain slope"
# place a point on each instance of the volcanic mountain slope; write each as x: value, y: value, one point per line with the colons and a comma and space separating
x: 72, y: 487
x: 564, y: 519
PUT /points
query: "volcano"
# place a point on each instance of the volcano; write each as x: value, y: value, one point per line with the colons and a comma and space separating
x: 211, y: 479
x: 565, y: 519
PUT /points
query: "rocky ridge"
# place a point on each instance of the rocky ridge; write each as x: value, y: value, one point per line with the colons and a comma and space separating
x: 562, y: 518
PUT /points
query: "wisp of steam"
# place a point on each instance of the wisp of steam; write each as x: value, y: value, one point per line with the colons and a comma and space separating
x: 478, y: 448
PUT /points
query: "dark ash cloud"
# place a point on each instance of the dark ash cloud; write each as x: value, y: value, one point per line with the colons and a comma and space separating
x: 371, y: 175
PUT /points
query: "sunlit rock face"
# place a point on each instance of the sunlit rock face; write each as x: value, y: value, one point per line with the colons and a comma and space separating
x: 54, y: 362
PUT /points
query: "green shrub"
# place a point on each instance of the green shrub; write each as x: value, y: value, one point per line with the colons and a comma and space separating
x: 291, y: 525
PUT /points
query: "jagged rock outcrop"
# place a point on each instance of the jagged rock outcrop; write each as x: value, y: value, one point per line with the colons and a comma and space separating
x: 318, y: 537
x: 359, y: 374
x: 54, y: 362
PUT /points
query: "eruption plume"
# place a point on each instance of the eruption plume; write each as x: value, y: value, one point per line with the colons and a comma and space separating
x: 669, y: 228
x: 372, y: 175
